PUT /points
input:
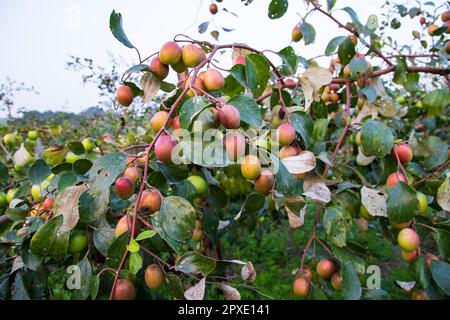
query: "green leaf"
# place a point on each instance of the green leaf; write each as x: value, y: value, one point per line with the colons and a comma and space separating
x: 19, y: 211
x: 76, y: 147
x: 303, y: 124
x: 289, y: 59
x: 95, y: 284
x: 346, y: 51
x: 38, y: 172
x: 116, y: 250
x: 49, y: 241
x: 194, y: 262
x: 19, y: 291
x: 145, y: 235
x: 277, y: 8
x: 133, y: 246
x: 438, y: 152
x: 82, y: 166
x: 3, y: 174
x: 257, y: 72
x: 191, y: 109
x: 402, y: 203
x: 286, y: 183
x: 436, y: 101
x: 249, y: 110
x: 177, y: 217
x: 103, y: 237
x: 376, y: 138
x: 412, y: 82
x: 337, y: 221
x: 309, y: 33
x: 174, y: 286
x: 138, y: 68
x: 167, y: 87
x: 232, y: 87
x: 85, y: 273
x: 253, y: 203
x: 135, y: 263
x: 440, y: 272
x: 238, y: 73
x: 105, y: 171
x: 178, y: 247
x: 358, y: 67
x: 376, y: 294
x: 115, y: 24
x: 420, y: 271
x: 351, y: 287
x: 370, y: 93
x: 330, y: 4
x: 320, y: 130
x: 67, y: 179
x: 401, y: 70
x: 333, y: 45
x: 353, y: 16
x: 442, y: 238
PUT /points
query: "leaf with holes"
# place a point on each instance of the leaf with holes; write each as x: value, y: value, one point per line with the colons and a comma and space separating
x: 337, y: 222
x: 277, y: 8
x: 316, y: 190
x: 104, y: 172
x: 374, y: 201
x: 177, y: 218
x: 196, y: 263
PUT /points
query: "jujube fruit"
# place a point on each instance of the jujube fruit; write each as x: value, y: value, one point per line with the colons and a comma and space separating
x: 213, y: 80
x: 150, y: 201
x: 264, y: 183
x: 336, y: 281
x: 285, y: 134
x: 213, y: 8
x: 160, y: 70
x: 234, y: 145
x: 163, y: 148
x: 403, y: 151
x: 158, y: 119
x: 325, y: 268
x: 77, y: 241
x: 124, y: 187
x: 124, y: 290
x: 250, y: 167
x: 125, y: 224
x: 297, y: 34
x: 409, y: 256
x: 170, y: 53
x: 408, y: 239
x: 301, y: 287
x: 199, y: 184
x: 288, y: 151
x: 394, y: 178
x: 132, y: 173
x: 192, y: 55
x: 124, y: 95
x: 230, y: 117
x: 154, y: 276
x: 195, y: 89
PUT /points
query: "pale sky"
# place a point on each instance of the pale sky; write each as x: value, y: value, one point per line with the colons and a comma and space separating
x: 38, y: 36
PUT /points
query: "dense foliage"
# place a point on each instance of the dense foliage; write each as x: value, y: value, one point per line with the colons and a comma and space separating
x: 278, y: 178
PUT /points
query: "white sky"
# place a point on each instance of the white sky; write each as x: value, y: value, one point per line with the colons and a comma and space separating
x: 38, y: 36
